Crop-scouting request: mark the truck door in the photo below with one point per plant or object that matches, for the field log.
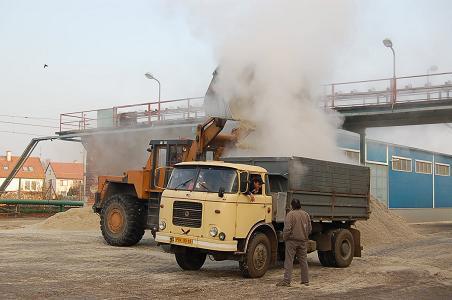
(251, 212)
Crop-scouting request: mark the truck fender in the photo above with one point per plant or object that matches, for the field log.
(270, 232)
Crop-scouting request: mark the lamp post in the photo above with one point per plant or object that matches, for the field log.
(388, 43)
(150, 76)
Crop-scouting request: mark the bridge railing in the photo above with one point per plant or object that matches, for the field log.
(133, 114)
(387, 91)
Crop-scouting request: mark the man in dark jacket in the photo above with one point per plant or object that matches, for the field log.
(297, 228)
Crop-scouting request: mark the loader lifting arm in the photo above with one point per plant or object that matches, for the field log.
(205, 134)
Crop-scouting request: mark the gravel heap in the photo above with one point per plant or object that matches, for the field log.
(384, 227)
(74, 219)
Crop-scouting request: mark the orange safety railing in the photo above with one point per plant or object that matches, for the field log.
(426, 87)
(133, 114)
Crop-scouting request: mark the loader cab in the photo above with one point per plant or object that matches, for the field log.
(164, 154)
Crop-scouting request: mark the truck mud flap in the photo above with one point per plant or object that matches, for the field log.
(357, 239)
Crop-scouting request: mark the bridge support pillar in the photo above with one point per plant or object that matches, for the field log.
(362, 146)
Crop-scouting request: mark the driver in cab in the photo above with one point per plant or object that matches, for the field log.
(257, 188)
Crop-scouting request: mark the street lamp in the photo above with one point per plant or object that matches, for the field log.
(150, 76)
(388, 43)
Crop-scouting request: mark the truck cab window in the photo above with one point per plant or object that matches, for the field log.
(256, 184)
(278, 183)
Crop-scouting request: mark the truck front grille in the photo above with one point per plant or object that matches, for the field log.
(188, 214)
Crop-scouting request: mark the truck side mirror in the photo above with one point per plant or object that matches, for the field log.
(244, 182)
(161, 177)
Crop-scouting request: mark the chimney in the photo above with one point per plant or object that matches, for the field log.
(8, 155)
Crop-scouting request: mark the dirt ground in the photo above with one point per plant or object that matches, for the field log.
(37, 264)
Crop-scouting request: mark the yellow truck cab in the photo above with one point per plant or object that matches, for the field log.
(207, 208)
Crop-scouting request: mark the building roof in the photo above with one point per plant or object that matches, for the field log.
(65, 170)
(240, 167)
(32, 168)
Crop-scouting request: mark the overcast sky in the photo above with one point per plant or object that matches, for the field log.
(98, 51)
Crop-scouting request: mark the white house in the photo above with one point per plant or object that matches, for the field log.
(61, 177)
(30, 177)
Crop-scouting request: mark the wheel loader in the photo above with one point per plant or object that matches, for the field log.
(130, 204)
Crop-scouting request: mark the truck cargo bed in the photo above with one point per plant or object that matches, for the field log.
(327, 190)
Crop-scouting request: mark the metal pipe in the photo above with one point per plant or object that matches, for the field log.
(42, 202)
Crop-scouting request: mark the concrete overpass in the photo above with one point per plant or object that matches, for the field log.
(409, 100)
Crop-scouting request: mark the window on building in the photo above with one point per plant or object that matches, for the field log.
(34, 186)
(30, 169)
(353, 155)
(64, 182)
(24, 168)
(423, 167)
(401, 164)
(5, 168)
(27, 185)
(442, 169)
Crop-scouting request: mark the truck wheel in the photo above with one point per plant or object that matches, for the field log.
(343, 248)
(326, 258)
(190, 259)
(257, 258)
(122, 220)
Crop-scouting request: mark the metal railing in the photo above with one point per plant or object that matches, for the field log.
(133, 114)
(426, 87)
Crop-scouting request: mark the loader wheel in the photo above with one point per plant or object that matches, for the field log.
(257, 258)
(190, 259)
(122, 220)
(343, 248)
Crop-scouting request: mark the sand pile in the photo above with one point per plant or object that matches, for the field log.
(384, 227)
(74, 219)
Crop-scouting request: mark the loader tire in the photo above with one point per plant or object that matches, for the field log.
(190, 259)
(123, 220)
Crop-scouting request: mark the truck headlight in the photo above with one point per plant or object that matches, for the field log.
(222, 236)
(213, 231)
(162, 225)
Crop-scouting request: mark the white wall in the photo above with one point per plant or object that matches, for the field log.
(63, 185)
(33, 185)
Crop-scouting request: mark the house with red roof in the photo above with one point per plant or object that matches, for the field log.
(63, 177)
(30, 177)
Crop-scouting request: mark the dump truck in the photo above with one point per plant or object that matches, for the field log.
(206, 210)
(130, 204)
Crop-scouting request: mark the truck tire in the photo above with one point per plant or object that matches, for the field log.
(190, 259)
(343, 248)
(257, 258)
(326, 258)
(123, 220)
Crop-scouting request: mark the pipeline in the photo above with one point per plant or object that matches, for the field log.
(60, 203)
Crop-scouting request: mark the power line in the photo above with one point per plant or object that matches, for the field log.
(31, 118)
(28, 124)
(18, 132)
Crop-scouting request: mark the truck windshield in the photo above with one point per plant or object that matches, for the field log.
(203, 179)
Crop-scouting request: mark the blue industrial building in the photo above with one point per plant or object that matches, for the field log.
(403, 177)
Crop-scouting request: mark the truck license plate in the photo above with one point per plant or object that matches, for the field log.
(183, 240)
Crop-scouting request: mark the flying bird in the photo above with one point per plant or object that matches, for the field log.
(45, 66)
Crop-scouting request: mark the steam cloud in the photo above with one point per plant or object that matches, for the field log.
(273, 57)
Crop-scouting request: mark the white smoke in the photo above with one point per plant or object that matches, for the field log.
(273, 57)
